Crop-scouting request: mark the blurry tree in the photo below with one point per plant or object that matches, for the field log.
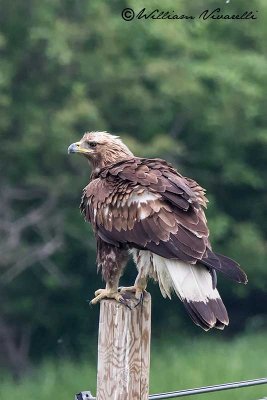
(193, 92)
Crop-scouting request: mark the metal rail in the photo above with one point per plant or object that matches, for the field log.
(190, 392)
(208, 389)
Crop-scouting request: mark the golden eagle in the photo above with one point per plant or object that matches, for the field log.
(144, 207)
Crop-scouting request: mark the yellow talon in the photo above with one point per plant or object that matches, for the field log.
(101, 294)
(139, 291)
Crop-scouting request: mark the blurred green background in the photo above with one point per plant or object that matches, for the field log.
(192, 92)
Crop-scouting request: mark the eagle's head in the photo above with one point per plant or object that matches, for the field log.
(101, 148)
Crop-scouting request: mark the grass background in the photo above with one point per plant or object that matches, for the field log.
(176, 364)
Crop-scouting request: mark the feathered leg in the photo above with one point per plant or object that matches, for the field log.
(112, 260)
(140, 283)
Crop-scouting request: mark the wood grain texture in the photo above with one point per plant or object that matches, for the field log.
(124, 351)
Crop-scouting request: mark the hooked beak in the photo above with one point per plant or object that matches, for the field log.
(75, 148)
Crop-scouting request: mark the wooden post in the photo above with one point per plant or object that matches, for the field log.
(124, 350)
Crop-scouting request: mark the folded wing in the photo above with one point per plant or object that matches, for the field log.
(146, 204)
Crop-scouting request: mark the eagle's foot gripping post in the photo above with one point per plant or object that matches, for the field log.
(137, 290)
(101, 294)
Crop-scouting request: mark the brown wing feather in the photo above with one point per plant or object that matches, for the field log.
(147, 204)
(199, 192)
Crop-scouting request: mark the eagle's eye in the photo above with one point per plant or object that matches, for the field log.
(92, 144)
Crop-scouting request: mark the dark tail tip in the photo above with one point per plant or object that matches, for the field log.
(207, 315)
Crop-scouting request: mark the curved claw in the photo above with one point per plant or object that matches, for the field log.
(124, 302)
(138, 291)
(141, 299)
(101, 294)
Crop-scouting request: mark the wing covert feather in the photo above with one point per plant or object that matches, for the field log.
(147, 204)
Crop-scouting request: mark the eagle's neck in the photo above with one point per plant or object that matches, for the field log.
(111, 156)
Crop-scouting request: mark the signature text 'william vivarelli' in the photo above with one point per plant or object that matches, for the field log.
(128, 14)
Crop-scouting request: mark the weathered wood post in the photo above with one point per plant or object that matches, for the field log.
(124, 350)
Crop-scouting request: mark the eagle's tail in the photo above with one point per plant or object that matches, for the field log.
(193, 285)
(225, 265)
